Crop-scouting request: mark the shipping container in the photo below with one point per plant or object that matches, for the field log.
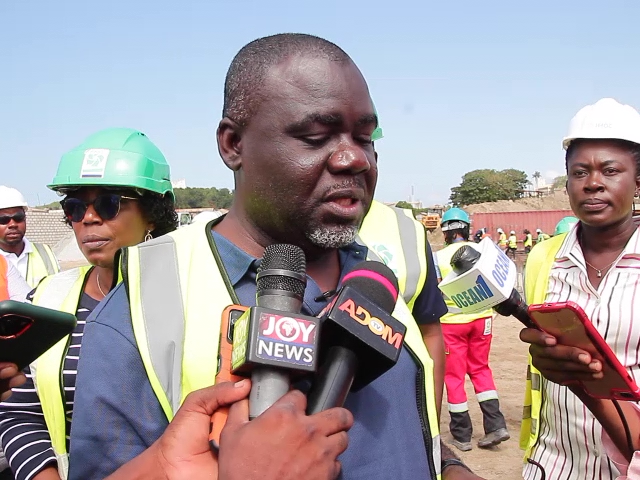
(545, 220)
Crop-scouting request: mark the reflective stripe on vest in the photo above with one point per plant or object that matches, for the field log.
(60, 292)
(41, 263)
(402, 246)
(455, 315)
(536, 281)
(185, 358)
(4, 281)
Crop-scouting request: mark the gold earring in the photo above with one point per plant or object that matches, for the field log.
(148, 236)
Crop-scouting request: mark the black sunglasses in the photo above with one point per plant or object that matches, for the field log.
(16, 217)
(106, 205)
(12, 326)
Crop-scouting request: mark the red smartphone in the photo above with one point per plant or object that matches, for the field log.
(570, 325)
(219, 418)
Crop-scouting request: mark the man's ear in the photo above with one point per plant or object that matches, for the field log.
(229, 136)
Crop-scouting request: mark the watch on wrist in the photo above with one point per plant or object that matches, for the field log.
(449, 462)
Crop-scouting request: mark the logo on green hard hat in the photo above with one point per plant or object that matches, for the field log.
(94, 162)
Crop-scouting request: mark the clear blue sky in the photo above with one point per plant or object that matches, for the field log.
(459, 85)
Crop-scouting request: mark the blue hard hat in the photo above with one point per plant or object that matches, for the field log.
(454, 218)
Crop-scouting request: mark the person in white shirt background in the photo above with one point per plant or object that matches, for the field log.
(34, 261)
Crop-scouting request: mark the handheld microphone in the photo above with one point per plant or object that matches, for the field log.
(273, 340)
(484, 278)
(357, 330)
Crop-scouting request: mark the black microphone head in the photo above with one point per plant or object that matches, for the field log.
(377, 280)
(283, 268)
(464, 258)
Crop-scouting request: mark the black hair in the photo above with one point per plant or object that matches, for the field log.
(632, 148)
(450, 235)
(157, 209)
(246, 74)
(526, 231)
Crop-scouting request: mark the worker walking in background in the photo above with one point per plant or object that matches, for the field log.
(502, 239)
(541, 236)
(467, 339)
(528, 241)
(512, 245)
(34, 261)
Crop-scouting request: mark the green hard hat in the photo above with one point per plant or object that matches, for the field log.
(565, 225)
(377, 133)
(115, 157)
(455, 218)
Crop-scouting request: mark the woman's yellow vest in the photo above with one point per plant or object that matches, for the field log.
(178, 289)
(41, 263)
(536, 281)
(60, 292)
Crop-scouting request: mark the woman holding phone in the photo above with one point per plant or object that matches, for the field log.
(596, 265)
(117, 193)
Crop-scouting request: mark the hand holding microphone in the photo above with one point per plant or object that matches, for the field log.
(484, 278)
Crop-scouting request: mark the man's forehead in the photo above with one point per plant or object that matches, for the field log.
(314, 75)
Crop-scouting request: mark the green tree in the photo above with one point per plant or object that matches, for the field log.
(403, 204)
(203, 197)
(489, 185)
(560, 182)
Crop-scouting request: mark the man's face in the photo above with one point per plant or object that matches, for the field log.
(12, 233)
(308, 169)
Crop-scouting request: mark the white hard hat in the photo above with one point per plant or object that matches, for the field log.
(10, 197)
(605, 119)
(500, 230)
(538, 230)
(512, 232)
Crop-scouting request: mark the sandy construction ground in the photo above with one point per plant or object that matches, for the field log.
(509, 363)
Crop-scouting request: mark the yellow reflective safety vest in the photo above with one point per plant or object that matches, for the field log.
(542, 237)
(502, 240)
(536, 282)
(455, 315)
(41, 262)
(513, 241)
(60, 292)
(528, 241)
(173, 277)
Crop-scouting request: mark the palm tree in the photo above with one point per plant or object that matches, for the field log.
(536, 176)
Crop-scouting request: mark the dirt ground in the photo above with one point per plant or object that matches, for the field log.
(509, 363)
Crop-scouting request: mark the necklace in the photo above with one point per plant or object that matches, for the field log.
(599, 270)
(104, 294)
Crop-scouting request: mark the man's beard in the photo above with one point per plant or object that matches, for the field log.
(17, 241)
(336, 236)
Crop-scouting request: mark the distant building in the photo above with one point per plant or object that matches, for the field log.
(179, 183)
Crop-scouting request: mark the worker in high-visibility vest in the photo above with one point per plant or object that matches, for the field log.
(528, 241)
(541, 236)
(512, 244)
(467, 338)
(34, 261)
(502, 239)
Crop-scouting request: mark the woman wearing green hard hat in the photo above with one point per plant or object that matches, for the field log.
(118, 193)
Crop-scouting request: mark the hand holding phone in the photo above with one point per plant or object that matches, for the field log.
(219, 418)
(27, 331)
(569, 324)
